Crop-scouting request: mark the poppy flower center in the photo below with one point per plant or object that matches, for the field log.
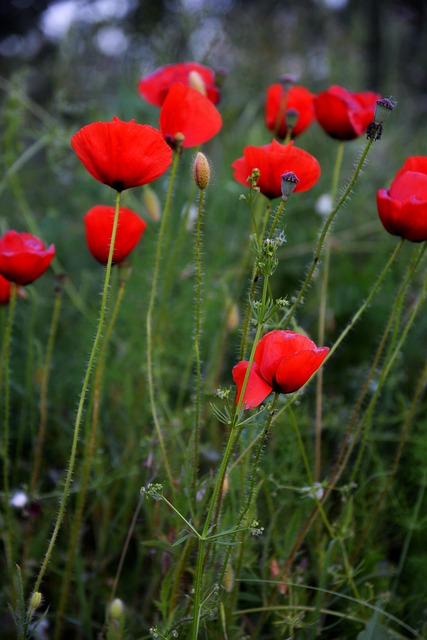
(118, 185)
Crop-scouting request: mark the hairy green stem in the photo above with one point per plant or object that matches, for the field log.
(215, 501)
(81, 404)
(326, 228)
(149, 320)
(43, 390)
(6, 425)
(322, 320)
(90, 441)
(197, 332)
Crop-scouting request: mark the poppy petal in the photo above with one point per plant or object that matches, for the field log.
(257, 389)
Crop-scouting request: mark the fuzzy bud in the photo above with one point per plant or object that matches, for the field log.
(201, 171)
(117, 609)
(35, 600)
(289, 182)
(225, 485)
(292, 116)
(287, 80)
(229, 578)
(233, 317)
(196, 81)
(152, 203)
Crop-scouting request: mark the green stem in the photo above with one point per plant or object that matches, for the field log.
(6, 364)
(338, 468)
(149, 320)
(90, 441)
(408, 422)
(322, 320)
(197, 331)
(43, 390)
(215, 502)
(275, 222)
(248, 504)
(81, 404)
(325, 230)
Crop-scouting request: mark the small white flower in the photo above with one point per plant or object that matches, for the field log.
(323, 204)
(316, 491)
(18, 500)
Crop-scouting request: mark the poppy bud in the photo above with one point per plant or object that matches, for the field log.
(195, 80)
(35, 600)
(229, 578)
(287, 80)
(292, 116)
(117, 609)
(201, 170)
(289, 182)
(233, 317)
(152, 203)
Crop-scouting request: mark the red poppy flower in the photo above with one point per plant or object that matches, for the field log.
(284, 361)
(122, 154)
(345, 114)
(5, 290)
(186, 111)
(23, 257)
(99, 227)
(403, 207)
(155, 86)
(273, 160)
(279, 102)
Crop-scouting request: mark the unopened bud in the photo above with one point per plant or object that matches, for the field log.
(175, 142)
(201, 170)
(151, 203)
(117, 609)
(196, 81)
(287, 80)
(229, 578)
(178, 141)
(292, 116)
(383, 109)
(289, 182)
(225, 485)
(233, 318)
(35, 600)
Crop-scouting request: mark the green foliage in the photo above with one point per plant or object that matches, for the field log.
(287, 552)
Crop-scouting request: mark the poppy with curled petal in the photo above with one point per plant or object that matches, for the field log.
(280, 101)
(5, 290)
(23, 257)
(284, 361)
(344, 114)
(122, 154)
(155, 86)
(403, 207)
(273, 160)
(99, 227)
(187, 113)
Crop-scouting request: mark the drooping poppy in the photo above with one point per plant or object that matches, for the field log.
(273, 160)
(403, 207)
(155, 86)
(5, 290)
(284, 361)
(280, 101)
(23, 257)
(344, 114)
(99, 227)
(188, 113)
(122, 154)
